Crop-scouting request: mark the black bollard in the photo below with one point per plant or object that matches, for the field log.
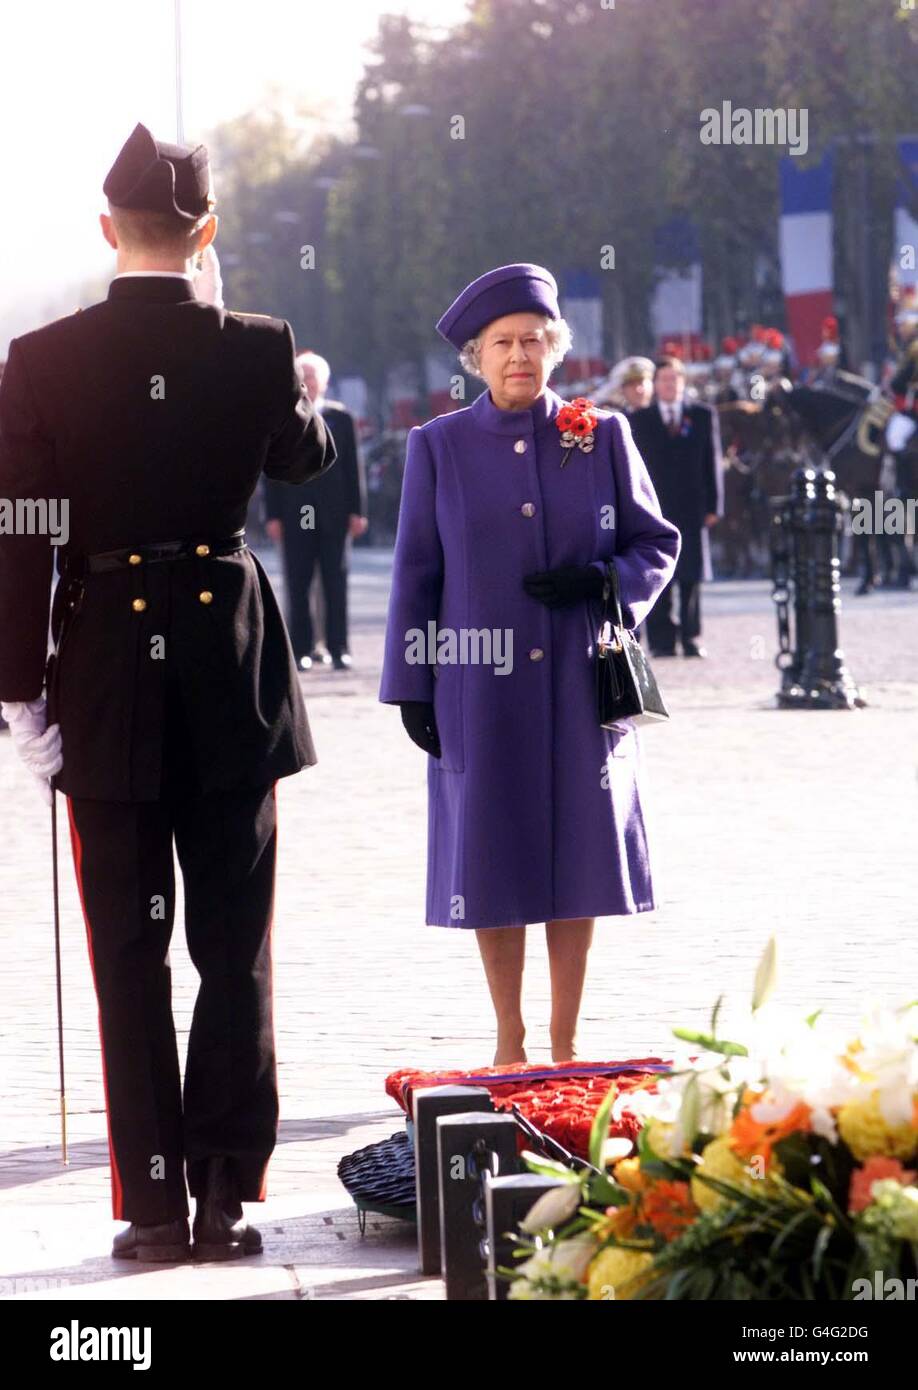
(428, 1105)
(805, 530)
(468, 1146)
(507, 1201)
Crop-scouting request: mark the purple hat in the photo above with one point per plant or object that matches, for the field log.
(156, 177)
(510, 289)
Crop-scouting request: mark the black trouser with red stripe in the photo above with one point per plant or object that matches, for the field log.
(226, 844)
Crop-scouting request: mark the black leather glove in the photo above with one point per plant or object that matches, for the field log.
(418, 719)
(555, 588)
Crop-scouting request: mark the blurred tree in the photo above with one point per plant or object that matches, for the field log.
(552, 130)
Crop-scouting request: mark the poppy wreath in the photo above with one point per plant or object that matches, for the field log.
(560, 1099)
(577, 425)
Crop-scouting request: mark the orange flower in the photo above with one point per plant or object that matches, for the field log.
(669, 1208)
(755, 1138)
(566, 417)
(874, 1169)
(618, 1221)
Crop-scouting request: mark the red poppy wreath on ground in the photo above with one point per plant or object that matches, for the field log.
(560, 1099)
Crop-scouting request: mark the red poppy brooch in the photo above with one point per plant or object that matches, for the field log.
(577, 424)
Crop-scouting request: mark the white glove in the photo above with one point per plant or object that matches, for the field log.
(38, 746)
(899, 430)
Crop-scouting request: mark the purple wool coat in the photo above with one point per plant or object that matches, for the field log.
(534, 810)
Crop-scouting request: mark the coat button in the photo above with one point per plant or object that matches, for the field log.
(536, 654)
(139, 605)
(134, 559)
(520, 446)
(202, 550)
(205, 596)
(528, 509)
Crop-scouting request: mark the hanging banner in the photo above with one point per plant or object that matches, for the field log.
(905, 230)
(675, 307)
(805, 239)
(581, 306)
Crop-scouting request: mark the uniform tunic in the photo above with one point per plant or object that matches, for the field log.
(153, 415)
(534, 810)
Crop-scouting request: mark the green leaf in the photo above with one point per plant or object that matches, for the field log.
(599, 1130)
(711, 1044)
(820, 1245)
(765, 975)
(605, 1192)
(549, 1168)
(787, 1230)
(690, 1109)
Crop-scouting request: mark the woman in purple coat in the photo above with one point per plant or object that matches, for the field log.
(534, 810)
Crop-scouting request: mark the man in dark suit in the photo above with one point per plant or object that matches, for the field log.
(336, 512)
(173, 699)
(680, 444)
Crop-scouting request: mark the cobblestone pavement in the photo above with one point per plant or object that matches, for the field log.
(801, 824)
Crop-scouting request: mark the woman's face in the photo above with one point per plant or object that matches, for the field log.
(638, 393)
(515, 360)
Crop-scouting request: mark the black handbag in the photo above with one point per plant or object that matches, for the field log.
(625, 684)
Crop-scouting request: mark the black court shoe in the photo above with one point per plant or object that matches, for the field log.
(158, 1244)
(220, 1230)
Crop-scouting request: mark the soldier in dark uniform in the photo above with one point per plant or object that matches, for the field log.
(680, 444)
(173, 684)
(902, 427)
(722, 389)
(337, 512)
(903, 385)
(629, 386)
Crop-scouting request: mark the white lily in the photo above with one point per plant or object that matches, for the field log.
(552, 1209)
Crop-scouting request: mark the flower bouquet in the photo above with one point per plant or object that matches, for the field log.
(780, 1167)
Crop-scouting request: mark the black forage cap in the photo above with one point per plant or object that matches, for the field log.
(151, 175)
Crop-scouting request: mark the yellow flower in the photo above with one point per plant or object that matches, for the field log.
(659, 1137)
(719, 1161)
(618, 1273)
(867, 1134)
(627, 1173)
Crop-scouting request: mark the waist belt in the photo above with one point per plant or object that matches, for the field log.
(129, 557)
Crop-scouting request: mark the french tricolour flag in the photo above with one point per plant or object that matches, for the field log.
(806, 251)
(906, 227)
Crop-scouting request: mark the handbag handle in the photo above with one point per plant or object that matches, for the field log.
(611, 590)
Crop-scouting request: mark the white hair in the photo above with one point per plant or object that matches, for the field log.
(557, 335)
(318, 364)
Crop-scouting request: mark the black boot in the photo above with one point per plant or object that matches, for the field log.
(155, 1243)
(220, 1230)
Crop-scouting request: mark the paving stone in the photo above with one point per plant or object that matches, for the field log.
(766, 821)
